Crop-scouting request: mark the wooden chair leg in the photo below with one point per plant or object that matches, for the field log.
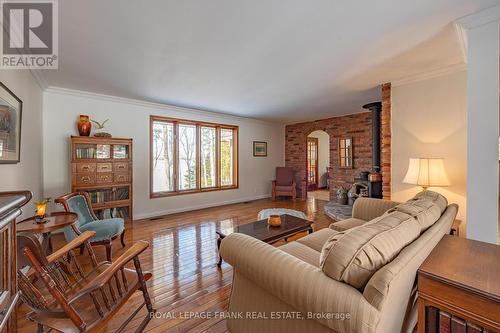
(122, 238)
(39, 328)
(108, 251)
(144, 289)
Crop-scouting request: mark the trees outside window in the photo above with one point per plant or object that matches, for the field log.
(163, 157)
(226, 157)
(189, 156)
(208, 157)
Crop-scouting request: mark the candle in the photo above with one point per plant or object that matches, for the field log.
(41, 209)
(41, 206)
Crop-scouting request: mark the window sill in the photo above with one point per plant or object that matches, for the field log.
(172, 194)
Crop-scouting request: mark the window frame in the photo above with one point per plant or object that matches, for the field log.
(199, 125)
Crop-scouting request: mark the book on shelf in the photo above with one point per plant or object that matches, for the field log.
(444, 322)
(120, 151)
(472, 328)
(121, 212)
(121, 193)
(439, 321)
(87, 152)
(458, 325)
(107, 195)
(103, 151)
(432, 319)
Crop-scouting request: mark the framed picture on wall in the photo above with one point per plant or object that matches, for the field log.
(259, 149)
(10, 126)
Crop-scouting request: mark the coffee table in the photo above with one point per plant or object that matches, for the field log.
(290, 225)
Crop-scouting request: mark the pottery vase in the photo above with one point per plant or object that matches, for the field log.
(84, 125)
(342, 196)
(274, 220)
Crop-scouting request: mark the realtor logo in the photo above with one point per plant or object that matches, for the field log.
(29, 34)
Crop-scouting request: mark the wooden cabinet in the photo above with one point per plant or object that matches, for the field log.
(459, 287)
(10, 209)
(83, 168)
(103, 168)
(120, 167)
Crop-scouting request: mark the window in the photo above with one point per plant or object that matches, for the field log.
(189, 156)
(208, 154)
(226, 156)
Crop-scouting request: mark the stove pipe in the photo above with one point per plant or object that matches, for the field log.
(375, 108)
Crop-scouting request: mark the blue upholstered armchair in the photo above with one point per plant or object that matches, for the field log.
(106, 230)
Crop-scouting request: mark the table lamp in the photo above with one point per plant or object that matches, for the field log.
(41, 209)
(426, 172)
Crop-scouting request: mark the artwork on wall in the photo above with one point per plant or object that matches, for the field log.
(259, 149)
(10, 126)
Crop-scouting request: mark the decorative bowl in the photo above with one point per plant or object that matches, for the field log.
(274, 220)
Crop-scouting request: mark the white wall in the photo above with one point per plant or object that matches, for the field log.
(323, 154)
(429, 119)
(130, 119)
(26, 175)
(483, 128)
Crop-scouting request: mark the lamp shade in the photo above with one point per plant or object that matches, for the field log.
(426, 172)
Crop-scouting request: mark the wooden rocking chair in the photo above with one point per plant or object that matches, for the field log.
(63, 297)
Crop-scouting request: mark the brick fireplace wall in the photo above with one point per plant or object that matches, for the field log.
(385, 137)
(356, 126)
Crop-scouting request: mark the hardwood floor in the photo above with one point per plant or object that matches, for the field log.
(182, 257)
(322, 194)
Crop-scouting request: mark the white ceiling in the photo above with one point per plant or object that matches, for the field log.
(285, 60)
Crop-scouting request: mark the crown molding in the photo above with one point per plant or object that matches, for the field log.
(473, 21)
(480, 18)
(152, 105)
(455, 68)
(345, 114)
(461, 33)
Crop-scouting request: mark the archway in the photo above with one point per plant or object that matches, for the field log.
(318, 165)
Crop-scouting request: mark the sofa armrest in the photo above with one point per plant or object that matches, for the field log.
(299, 284)
(369, 208)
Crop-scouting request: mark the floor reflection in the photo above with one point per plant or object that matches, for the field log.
(183, 259)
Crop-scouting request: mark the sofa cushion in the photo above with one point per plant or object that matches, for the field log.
(435, 197)
(347, 224)
(369, 208)
(425, 211)
(302, 252)
(353, 256)
(317, 239)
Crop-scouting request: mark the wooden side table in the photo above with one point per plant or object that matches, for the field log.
(459, 287)
(455, 228)
(55, 221)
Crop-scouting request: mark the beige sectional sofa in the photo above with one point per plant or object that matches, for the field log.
(358, 280)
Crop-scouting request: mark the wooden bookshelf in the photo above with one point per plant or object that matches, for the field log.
(102, 167)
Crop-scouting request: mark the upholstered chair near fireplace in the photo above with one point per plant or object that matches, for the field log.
(284, 185)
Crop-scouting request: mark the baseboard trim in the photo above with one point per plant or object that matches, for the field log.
(145, 216)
